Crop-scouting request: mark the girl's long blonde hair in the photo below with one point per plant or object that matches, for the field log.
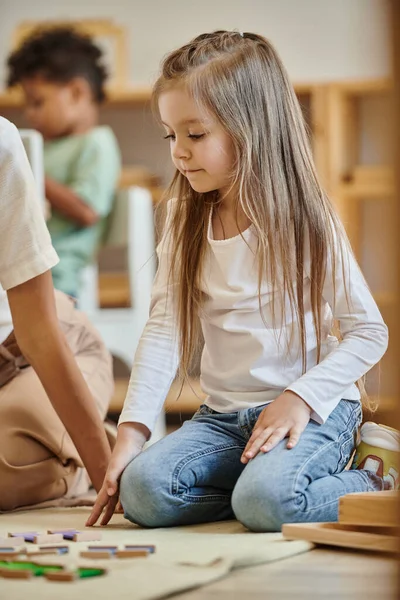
(240, 79)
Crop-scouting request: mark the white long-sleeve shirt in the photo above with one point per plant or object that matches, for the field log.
(246, 361)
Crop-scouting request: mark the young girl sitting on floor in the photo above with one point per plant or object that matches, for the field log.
(255, 258)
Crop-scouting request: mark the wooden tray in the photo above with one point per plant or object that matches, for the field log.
(370, 508)
(381, 539)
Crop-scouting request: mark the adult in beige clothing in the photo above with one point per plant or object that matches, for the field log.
(38, 460)
(51, 419)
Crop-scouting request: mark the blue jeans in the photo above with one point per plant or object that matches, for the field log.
(194, 475)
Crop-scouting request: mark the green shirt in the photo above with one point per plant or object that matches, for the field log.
(88, 164)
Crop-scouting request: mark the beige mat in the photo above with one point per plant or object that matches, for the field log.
(186, 557)
(87, 499)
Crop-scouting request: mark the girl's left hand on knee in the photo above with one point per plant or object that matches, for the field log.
(287, 416)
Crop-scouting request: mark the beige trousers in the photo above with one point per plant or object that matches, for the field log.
(38, 460)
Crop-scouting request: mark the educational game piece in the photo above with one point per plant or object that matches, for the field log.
(131, 553)
(10, 552)
(8, 541)
(105, 548)
(74, 535)
(37, 538)
(23, 569)
(97, 554)
(15, 573)
(26, 570)
(80, 573)
(150, 548)
(57, 549)
(61, 576)
(14, 568)
(107, 552)
(46, 552)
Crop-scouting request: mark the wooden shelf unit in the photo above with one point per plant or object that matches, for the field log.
(357, 191)
(129, 97)
(354, 187)
(134, 95)
(188, 402)
(349, 183)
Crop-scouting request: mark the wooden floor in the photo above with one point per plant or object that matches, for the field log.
(321, 574)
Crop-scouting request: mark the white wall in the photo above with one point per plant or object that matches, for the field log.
(317, 39)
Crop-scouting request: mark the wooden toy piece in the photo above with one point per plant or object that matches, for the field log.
(61, 576)
(96, 554)
(36, 553)
(37, 538)
(74, 535)
(9, 541)
(16, 573)
(47, 539)
(46, 552)
(106, 548)
(10, 555)
(81, 573)
(84, 536)
(27, 537)
(150, 548)
(378, 509)
(11, 550)
(36, 569)
(131, 553)
(85, 572)
(342, 534)
(57, 549)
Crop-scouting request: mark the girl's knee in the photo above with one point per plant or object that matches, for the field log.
(143, 493)
(259, 506)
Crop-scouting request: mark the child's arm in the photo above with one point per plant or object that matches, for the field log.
(69, 204)
(88, 194)
(154, 368)
(316, 393)
(364, 338)
(42, 343)
(157, 355)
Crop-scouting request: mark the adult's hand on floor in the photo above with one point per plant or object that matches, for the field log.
(130, 440)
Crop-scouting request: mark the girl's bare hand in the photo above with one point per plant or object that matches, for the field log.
(287, 416)
(130, 440)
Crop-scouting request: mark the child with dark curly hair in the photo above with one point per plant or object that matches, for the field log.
(62, 76)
